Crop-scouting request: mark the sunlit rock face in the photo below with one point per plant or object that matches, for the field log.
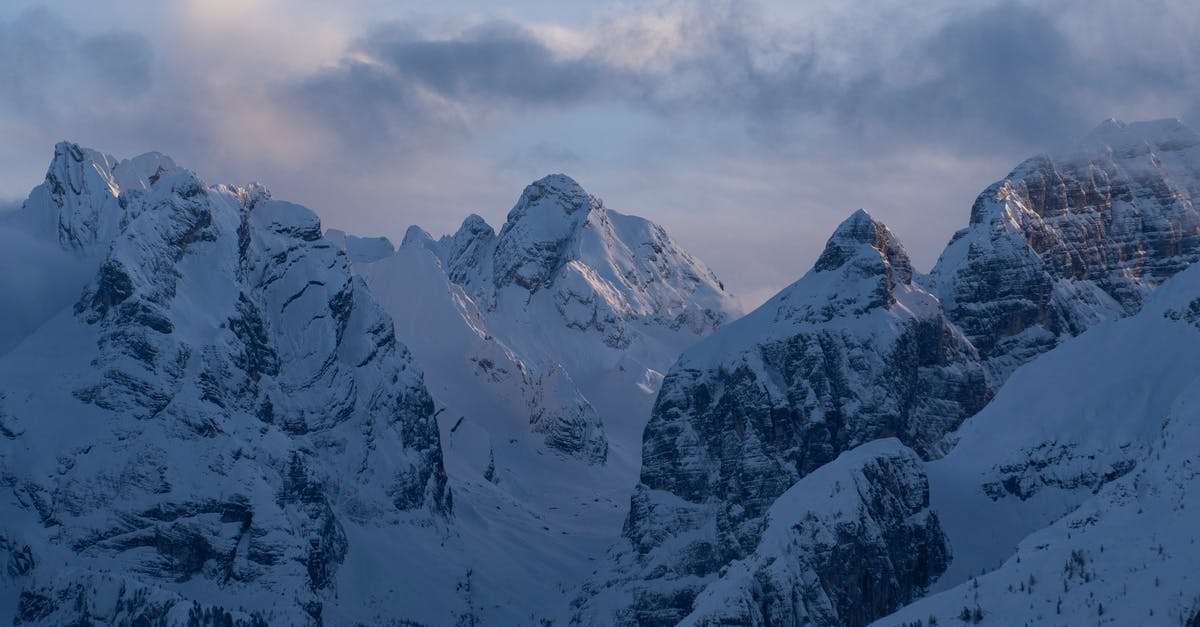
(1065, 241)
(571, 301)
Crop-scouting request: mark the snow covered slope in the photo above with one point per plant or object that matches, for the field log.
(543, 347)
(574, 312)
(1076, 489)
(222, 424)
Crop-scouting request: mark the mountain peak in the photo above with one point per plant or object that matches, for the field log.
(862, 234)
(473, 226)
(1162, 134)
(77, 203)
(70, 152)
(73, 167)
(367, 249)
(416, 235)
(860, 228)
(558, 182)
(138, 172)
(553, 192)
(533, 243)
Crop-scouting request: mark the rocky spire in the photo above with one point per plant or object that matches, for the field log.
(540, 228)
(855, 236)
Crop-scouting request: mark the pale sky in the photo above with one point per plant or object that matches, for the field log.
(748, 129)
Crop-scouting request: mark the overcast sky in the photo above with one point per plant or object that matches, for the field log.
(748, 129)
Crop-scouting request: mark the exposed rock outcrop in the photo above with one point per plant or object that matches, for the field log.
(229, 407)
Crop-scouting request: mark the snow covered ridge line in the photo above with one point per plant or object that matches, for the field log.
(543, 342)
(237, 430)
(558, 233)
(832, 362)
(226, 423)
(221, 422)
(568, 292)
(861, 348)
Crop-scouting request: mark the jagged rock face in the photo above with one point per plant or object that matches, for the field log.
(229, 402)
(566, 419)
(845, 546)
(1066, 241)
(602, 270)
(80, 204)
(468, 253)
(530, 251)
(858, 353)
(763, 439)
(567, 297)
(1060, 245)
(853, 352)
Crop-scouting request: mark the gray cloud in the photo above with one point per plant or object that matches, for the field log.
(496, 60)
(45, 64)
(1004, 71)
(738, 125)
(365, 103)
(121, 61)
(540, 158)
(397, 85)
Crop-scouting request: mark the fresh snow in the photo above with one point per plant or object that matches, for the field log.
(222, 408)
(1081, 477)
(544, 347)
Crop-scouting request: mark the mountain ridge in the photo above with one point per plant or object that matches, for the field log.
(1046, 256)
(220, 330)
(243, 417)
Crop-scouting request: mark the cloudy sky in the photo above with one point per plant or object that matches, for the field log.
(748, 129)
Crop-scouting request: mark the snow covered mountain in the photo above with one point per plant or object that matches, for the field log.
(222, 423)
(852, 352)
(1075, 489)
(224, 416)
(570, 304)
(1065, 241)
(861, 349)
(845, 544)
(223, 426)
(1071, 490)
(543, 346)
